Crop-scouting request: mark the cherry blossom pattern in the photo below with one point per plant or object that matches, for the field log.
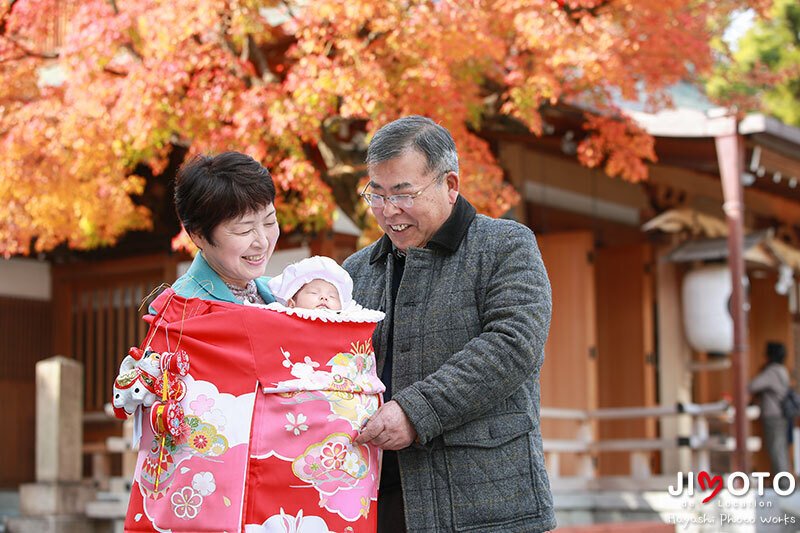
(338, 470)
(332, 464)
(313, 468)
(201, 404)
(186, 503)
(334, 455)
(287, 358)
(313, 364)
(296, 424)
(204, 483)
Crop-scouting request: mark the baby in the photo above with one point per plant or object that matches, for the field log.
(314, 283)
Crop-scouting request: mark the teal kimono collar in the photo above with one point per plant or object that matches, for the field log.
(202, 281)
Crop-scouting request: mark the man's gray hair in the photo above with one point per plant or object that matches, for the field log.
(418, 133)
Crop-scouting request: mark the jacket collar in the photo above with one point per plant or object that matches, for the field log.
(211, 284)
(448, 238)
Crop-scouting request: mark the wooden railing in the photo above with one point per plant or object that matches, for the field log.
(700, 442)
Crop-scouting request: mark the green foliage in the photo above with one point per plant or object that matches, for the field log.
(763, 73)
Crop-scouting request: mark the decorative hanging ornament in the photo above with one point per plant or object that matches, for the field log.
(175, 363)
(168, 418)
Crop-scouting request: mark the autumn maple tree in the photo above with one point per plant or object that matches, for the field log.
(95, 90)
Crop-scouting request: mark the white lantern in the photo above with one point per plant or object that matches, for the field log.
(706, 314)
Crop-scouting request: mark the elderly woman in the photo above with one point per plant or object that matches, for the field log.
(251, 414)
(225, 203)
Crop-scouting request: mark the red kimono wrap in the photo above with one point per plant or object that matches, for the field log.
(273, 402)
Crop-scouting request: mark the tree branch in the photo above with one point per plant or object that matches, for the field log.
(578, 12)
(245, 49)
(260, 61)
(10, 59)
(289, 9)
(135, 53)
(250, 52)
(6, 15)
(114, 72)
(27, 52)
(129, 45)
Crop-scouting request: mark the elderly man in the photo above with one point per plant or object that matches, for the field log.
(468, 307)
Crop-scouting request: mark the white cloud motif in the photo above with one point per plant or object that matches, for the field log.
(216, 418)
(237, 429)
(303, 371)
(204, 483)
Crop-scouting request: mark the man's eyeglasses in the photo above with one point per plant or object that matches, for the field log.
(403, 201)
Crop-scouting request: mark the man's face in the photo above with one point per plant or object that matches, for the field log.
(407, 174)
(317, 294)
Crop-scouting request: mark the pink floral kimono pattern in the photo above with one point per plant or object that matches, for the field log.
(273, 402)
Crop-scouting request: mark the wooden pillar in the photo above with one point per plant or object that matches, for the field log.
(729, 157)
(674, 357)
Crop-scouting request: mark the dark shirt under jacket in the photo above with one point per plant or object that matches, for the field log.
(447, 239)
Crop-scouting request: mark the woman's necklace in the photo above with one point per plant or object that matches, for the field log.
(249, 293)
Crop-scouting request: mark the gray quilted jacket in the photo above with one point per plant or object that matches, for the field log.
(469, 334)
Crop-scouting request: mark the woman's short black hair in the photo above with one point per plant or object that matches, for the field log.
(212, 189)
(776, 352)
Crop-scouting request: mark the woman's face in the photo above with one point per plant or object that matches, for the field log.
(242, 246)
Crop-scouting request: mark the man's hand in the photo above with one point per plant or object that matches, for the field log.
(389, 428)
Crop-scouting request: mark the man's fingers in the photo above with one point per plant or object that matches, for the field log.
(370, 431)
(362, 437)
(388, 428)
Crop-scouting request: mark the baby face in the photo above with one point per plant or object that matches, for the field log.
(316, 294)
